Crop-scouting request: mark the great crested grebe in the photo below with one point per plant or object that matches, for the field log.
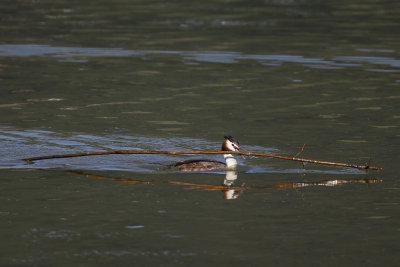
(230, 144)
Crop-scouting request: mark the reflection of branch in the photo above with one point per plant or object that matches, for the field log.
(209, 187)
(327, 183)
(206, 187)
(295, 158)
(117, 179)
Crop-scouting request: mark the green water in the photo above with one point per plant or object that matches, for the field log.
(98, 75)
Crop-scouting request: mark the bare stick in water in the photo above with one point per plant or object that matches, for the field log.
(295, 158)
(301, 151)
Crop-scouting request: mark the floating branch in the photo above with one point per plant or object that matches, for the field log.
(295, 158)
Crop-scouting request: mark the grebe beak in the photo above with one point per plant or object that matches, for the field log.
(240, 150)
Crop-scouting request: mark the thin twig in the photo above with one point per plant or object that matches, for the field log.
(301, 151)
(32, 159)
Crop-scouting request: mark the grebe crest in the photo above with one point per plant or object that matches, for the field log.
(229, 144)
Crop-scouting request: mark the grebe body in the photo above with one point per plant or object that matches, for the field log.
(197, 165)
(230, 144)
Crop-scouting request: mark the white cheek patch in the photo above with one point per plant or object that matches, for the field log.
(232, 146)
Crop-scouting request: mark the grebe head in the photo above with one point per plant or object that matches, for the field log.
(230, 144)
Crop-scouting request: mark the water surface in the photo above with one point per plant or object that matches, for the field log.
(147, 75)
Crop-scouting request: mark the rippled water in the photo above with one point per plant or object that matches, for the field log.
(191, 57)
(18, 145)
(147, 75)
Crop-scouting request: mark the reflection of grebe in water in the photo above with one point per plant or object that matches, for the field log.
(230, 144)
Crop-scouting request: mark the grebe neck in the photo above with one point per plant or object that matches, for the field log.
(231, 162)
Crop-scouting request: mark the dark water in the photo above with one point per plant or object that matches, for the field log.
(148, 75)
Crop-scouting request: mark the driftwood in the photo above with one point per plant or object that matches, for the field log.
(295, 158)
